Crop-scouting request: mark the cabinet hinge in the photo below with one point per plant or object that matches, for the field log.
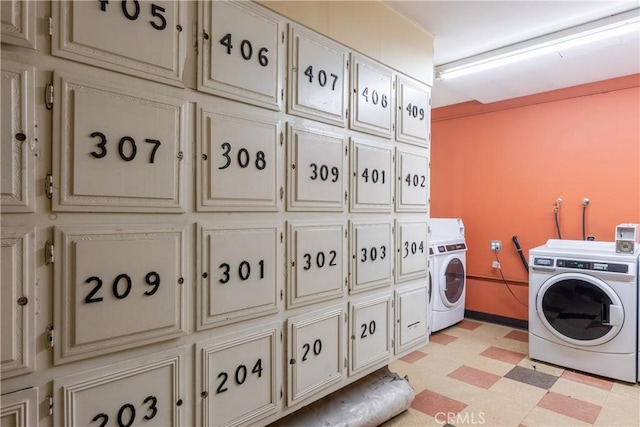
(281, 336)
(281, 193)
(49, 254)
(50, 25)
(281, 138)
(48, 185)
(393, 127)
(345, 197)
(345, 363)
(283, 37)
(281, 393)
(281, 237)
(393, 304)
(346, 114)
(393, 343)
(50, 337)
(281, 94)
(48, 96)
(346, 318)
(50, 403)
(347, 65)
(281, 295)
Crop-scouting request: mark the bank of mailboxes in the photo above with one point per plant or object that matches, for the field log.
(321, 281)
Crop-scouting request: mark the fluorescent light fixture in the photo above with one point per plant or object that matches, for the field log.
(611, 26)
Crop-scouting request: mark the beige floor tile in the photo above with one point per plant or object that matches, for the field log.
(626, 389)
(496, 411)
(540, 417)
(493, 366)
(411, 418)
(519, 392)
(580, 391)
(541, 366)
(619, 411)
(513, 345)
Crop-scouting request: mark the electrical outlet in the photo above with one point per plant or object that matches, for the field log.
(496, 245)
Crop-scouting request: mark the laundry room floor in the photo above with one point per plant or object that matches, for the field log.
(476, 373)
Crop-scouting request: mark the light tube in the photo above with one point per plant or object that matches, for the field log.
(584, 34)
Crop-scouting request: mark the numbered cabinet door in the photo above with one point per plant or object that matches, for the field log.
(411, 317)
(239, 273)
(142, 38)
(315, 343)
(242, 53)
(20, 408)
(317, 77)
(371, 176)
(18, 134)
(371, 252)
(317, 262)
(240, 163)
(371, 332)
(18, 303)
(117, 150)
(147, 391)
(18, 24)
(316, 170)
(372, 97)
(412, 186)
(239, 380)
(413, 118)
(118, 287)
(412, 249)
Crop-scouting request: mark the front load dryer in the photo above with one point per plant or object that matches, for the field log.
(583, 299)
(449, 271)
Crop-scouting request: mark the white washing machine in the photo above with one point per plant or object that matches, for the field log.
(583, 307)
(449, 271)
(430, 293)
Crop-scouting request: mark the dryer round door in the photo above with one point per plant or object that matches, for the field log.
(580, 309)
(453, 281)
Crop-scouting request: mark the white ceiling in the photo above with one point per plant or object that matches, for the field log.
(465, 28)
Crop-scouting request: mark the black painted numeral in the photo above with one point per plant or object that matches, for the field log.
(240, 376)
(131, 11)
(127, 413)
(413, 248)
(243, 158)
(322, 172)
(317, 349)
(372, 254)
(371, 328)
(414, 111)
(375, 98)
(322, 77)
(127, 148)
(246, 50)
(121, 286)
(244, 271)
(375, 176)
(416, 180)
(320, 260)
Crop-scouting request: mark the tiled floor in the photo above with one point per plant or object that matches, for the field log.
(479, 374)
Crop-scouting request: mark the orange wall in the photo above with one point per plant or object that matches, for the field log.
(500, 167)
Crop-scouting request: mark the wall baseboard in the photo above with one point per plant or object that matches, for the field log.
(494, 318)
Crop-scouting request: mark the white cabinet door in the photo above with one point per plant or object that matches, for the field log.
(239, 378)
(315, 352)
(412, 188)
(413, 119)
(18, 23)
(412, 249)
(150, 390)
(371, 176)
(142, 38)
(239, 273)
(371, 332)
(118, 287)
(371, 253)
(317, 77)
(316, 170)
(20, 408)
(411, 317)
(18, 137)
(18, 302)
(242, 53)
